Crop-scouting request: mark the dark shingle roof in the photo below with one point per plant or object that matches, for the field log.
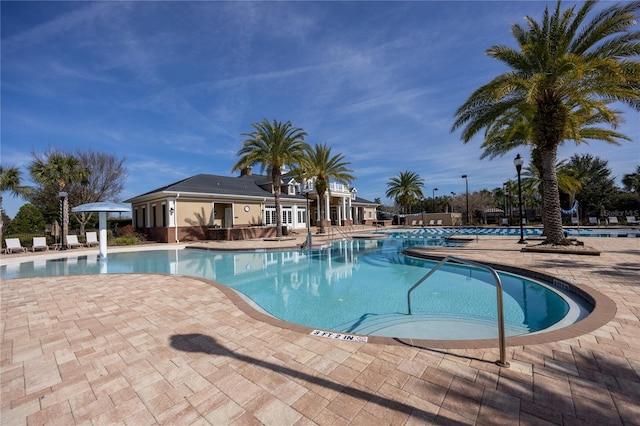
(222, 185)
(247, 185)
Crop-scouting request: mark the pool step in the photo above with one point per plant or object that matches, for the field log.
(428, 326)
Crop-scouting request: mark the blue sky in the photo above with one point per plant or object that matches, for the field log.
(171, 86)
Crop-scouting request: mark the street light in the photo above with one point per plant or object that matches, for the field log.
(467, 188)
(434, 198)
(505, 187)
(518, 162)
(63, 196)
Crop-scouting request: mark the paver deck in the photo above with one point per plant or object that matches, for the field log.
(141, 349)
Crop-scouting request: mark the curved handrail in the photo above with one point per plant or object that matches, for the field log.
(501, 337)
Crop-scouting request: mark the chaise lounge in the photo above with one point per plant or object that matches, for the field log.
(72, 242)
(92, 239)
(39, 243)
(13, 244)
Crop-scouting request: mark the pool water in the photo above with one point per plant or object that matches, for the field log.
(354, 286)
(510, 231)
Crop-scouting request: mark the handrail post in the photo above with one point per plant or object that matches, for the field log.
(502, 362)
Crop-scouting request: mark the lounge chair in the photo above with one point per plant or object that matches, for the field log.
(613, 220)
(505, 221)
(72, 241)
(439, 222)
(420, 223)
(631, 220)
(574, 221)
(39, 243)
(92, 239)
(593, 221)
(414, 222)
(13, 244)
(432, 222)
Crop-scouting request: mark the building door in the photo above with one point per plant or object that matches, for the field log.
(228, 217)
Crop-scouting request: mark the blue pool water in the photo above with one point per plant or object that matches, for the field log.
(513, 231)
(357, 286)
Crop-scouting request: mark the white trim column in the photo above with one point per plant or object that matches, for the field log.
(350, 209)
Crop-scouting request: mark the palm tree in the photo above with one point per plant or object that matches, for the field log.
(56, 171)
(10, 181)
(562, 66)
(320, 166)
(274, 146)
(405, 188)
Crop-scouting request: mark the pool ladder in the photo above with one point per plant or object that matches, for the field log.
(502, 362)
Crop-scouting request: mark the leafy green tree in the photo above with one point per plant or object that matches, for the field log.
(274, 145)
(563, 64)
(10, 180)
(405, 189)
(29, 219)
(631, 182)
(597, 186)
(55, 171)
(321, 167)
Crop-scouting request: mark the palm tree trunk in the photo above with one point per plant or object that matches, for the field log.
(552, 216)
(276, 177)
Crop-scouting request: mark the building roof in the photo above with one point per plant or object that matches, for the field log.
(245, 185)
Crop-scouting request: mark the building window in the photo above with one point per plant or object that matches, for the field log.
(302, 215)
(164, 215)
(269, 215)
(154, 217)
(287, 216)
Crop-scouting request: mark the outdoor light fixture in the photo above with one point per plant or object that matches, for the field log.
(467, 189)
(518, 162)
(171, 211)
(434, 198)
(63, 196)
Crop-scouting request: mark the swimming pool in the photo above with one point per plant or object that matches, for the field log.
(513, 231)
(354, 286)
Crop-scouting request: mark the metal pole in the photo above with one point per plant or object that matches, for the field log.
(63, 197)
(467, 189)
(519, 168)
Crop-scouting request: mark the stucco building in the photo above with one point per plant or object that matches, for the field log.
(212, 207)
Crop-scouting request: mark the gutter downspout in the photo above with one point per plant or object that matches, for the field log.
(175, 218)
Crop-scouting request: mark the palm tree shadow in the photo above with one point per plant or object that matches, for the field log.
(206, 344)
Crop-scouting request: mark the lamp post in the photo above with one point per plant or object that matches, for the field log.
(466, 180)
(505, 187)
(518, 162)
(433, 195)
(63, 197)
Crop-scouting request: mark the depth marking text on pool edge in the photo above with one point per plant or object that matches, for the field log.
(330, 335)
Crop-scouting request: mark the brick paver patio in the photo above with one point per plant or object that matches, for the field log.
(141, 349)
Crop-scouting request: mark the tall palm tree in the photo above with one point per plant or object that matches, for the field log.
(405, 188)
(10, 178)
(563, 65)
(56, 171)
(322, 167)
(274, 145)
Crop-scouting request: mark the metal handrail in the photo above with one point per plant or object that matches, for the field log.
(501, 337)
